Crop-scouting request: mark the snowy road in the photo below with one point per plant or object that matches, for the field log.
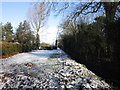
(46, 69)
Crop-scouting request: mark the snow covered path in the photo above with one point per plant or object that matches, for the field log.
(46, 69)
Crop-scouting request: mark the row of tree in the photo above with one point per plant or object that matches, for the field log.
(37, 17)
(23, 35)
(89, 40)
(94, 43)
(87, 44)
(111, 13)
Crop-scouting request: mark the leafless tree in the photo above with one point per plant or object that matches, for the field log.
(108, 8)
(38, 16)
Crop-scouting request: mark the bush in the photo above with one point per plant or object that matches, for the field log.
(10, 48)
(26, 47)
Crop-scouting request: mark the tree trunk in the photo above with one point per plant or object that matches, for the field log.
(110, 10)
(37, 40)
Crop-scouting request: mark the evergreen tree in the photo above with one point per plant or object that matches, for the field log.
(24, 35)
(7, 32)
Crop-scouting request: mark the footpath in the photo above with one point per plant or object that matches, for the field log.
(47, 69)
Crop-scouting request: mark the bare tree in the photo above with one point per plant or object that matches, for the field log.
(38, 16)
(111, 9)
(108, 8)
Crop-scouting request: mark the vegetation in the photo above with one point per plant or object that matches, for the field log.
(10, 48)
(87, 43)
(25, 36)
(45, 44)
(7, 32)
(21, 41)
(38, 16)
(93, 42)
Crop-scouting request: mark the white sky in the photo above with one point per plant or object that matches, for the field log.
(49, 35)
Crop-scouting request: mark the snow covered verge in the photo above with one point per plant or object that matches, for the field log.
(47, 69)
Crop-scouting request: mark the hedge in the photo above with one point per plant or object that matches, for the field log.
(7, 48)
(10, 48)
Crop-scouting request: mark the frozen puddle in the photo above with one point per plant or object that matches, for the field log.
(47, 69)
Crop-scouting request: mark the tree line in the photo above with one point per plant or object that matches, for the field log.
(89, 41)
(37, 19)
(94, 43)
(23, 35)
